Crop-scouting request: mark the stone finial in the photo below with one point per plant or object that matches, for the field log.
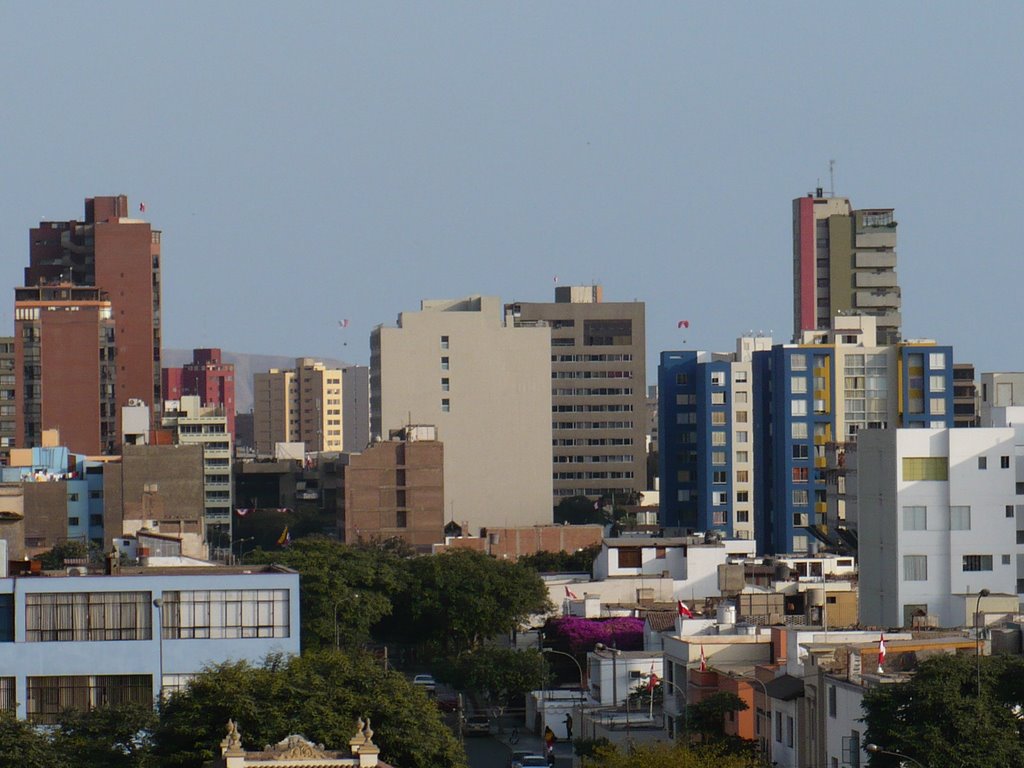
(358, 738)
(233, 740)
(368, 733)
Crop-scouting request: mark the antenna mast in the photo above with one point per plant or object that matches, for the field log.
(831, 178)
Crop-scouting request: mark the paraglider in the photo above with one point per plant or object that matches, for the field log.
(343, 324)
(683, 324)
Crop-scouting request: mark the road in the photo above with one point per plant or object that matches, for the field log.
(490, 752)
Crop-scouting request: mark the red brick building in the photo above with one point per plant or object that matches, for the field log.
(207, 377)
(119, 256)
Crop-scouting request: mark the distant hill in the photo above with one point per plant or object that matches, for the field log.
(245, 367)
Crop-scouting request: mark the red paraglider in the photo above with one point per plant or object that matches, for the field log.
(683, 324)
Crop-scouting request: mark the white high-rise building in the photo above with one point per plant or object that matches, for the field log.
(939, 520)
(487, 387)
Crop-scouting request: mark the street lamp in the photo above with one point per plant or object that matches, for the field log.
(877, 750)
(240, 542)
(574, 661)
(158, 604)
(977, 635)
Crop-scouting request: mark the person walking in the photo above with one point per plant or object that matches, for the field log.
(568, 726)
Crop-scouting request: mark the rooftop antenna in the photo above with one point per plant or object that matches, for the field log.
(831, 178)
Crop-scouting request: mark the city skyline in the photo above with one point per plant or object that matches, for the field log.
(418, 153)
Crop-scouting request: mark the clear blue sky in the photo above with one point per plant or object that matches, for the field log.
(309, 162)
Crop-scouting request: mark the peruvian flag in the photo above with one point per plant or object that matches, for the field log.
(652, 680)
(683, 610)
(703, 659)
(881, 652)
(570, 594)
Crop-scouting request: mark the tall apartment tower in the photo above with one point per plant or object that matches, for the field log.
(355, 408)
(207, 377)
(844, 263)
(64, 349)
(120, 256)
(486, 385)
(8, 401)
(302, 405)
(598, 390)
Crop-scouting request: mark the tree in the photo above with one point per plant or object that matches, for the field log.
(503, 674)
(22, 746)
(562, 562)
(579, 510)
(320, 695)
(662, 755)
(53, 560)
(938, 718)
(707, 717)
(344, 590)
(453, 601)
(117, 736)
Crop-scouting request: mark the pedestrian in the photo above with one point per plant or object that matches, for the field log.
(549, 737)
(551, 757)
(568, 726)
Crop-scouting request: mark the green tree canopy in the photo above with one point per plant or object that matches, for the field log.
(320, 695)
(117, 736)
(22, 746)
(503, 674)
(343, 588)
(937, 718)
(452, 602)
(562, 562)
(662, 755)
(707, 717)
(53, 560)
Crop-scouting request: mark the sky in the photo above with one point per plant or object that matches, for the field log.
(314, 162)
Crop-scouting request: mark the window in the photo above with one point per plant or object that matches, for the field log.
(982, 462)
(1009, 510)
(800, 474)
(73, 522)
(719, 517)
(718, 437)
(682, 379)
(742, 496)
(937, 405)
(445, 365)
(936, 383)
(446, 405)
(778, 727)
(444, 342)
(1006, 559)
(742, 437)
(630, 557)
(798, 430)
(798, 385)
(50, 696)
(977, 563)
(659, 553)
(717, 378)
(741, 417)
(718, 458)
(798, 407)
(798, 362)
(742, 476)
(72, 497)
(741, 377)
(789, 731)
(1004, 462)
(800, 498)
(937, 360)
(800, 451)
(831, 701)
(740, 397)
(225, 613)
(718, 418)
(742, 457)
(445, 385)
(959, 518)
(742, 516)
(719, 478)
(718, 398)
(77, 616)
(401, 518)
(915, 518)
(925, 468)
(915, 568)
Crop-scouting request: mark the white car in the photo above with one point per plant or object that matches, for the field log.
(426, 682)
(531, 761)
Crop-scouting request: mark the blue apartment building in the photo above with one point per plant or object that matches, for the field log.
(85, 641)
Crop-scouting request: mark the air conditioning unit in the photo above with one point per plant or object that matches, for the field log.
(134, 402)
(76, 570)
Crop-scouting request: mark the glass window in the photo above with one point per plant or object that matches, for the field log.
(915, 518)
(78, 616)
(937, 383)
(718, 458)
(937, 360)
(444, 342)
(937, 405)
(915, 568)
(798, 362)
(798, 385)
(445, 365)
(982, 462)
(225, 613)
(718, 437)
(741, 377)
(959, 518)
(718, 418)
(977, 562)
(798, 407)
(1004, 462)
(718, 398)
(742, 437)
(798, 430)
(800, 498)
(925, 468)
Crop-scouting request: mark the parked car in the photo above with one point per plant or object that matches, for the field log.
(447, 703)
(426, 682)
(515, 760)
(531, 761)
(476, 725)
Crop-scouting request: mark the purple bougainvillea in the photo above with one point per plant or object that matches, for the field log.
(581, 635)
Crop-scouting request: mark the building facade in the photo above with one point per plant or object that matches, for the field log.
(355, 408)
(79, 643)
(8, 398)
(119, 256)
(209, 378)
(66, 352)
(598, 397)
(395, 488)
(844, 262)
(301, 405)
(939, 521)
(486, 385)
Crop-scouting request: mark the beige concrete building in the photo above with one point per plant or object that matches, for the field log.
(598, 390)
(302, 405)
(486, 386)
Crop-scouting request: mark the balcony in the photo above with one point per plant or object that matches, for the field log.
(864, 299)
(874, 260)
(886, 279)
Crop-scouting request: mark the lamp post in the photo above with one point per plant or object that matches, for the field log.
(977, 635)
(877, 750)
(158, 604)
(574, 661)
(240, 542)
(767, 709)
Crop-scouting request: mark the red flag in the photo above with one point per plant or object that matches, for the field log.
(703, 659)
(683, 610)
(652, 680)
(881, 652)
(571, 595)
(242, 512)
